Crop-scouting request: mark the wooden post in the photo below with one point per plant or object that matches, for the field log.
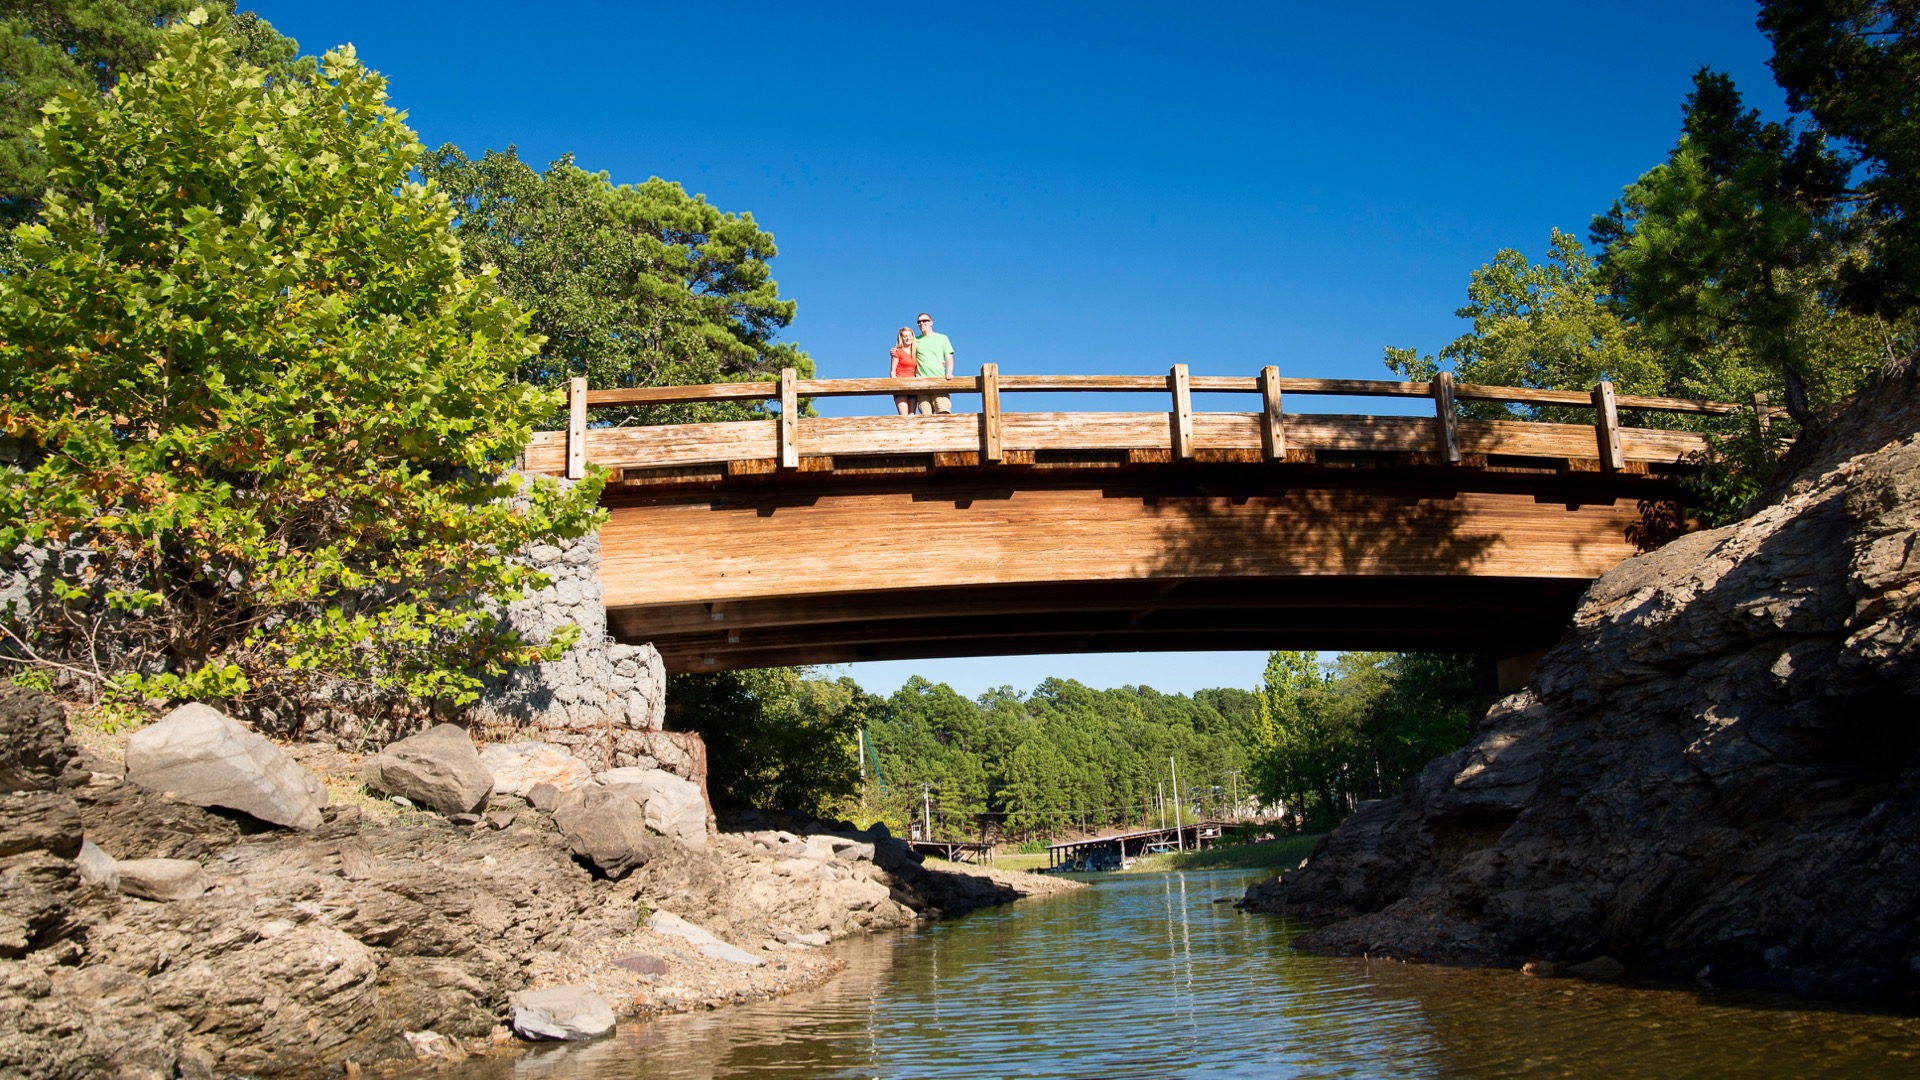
(1446, 418)
(1606, 427)
(789, 421)
(1182, 411)
(1273, 433)
(989, 412)
(1762, 418)
(576, 428)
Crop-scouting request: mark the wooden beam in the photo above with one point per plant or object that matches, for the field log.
(681, 395)
(1762, 419)
(789, 421)
(1446, 417)
(1606, 427)
(1273, 431)
(1182, 411)
(576, 428)
(990, 412)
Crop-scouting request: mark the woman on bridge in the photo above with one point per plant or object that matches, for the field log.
(904, 367)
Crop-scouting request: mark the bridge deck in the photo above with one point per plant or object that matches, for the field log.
(819, 540)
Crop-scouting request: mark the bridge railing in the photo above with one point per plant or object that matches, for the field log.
(996, 436)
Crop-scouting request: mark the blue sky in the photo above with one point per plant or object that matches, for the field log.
(1076, 187)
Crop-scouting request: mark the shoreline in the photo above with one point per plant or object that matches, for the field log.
(385, 940)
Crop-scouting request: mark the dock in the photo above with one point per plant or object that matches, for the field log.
(1119, 850)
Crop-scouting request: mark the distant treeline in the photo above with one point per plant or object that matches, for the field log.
(1309, 743)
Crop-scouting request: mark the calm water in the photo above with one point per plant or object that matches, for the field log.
(1146, 976)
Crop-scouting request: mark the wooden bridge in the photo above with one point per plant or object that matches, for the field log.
(801, 540)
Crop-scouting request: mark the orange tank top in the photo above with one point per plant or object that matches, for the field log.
(904, 365)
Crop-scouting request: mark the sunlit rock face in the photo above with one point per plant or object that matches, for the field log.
(1714, 775)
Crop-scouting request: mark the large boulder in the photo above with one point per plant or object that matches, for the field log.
(560, 1012)
(675, 807)
(607, 826)
(201, 757)
(517, 768)
(438, 767)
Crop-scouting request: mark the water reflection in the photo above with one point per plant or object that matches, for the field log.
(1147, 976)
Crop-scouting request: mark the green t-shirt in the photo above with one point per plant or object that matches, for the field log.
(931, 352)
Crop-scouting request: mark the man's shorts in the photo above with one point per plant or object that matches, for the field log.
(935, 403)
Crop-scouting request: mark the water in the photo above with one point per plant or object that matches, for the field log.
(1145, 975)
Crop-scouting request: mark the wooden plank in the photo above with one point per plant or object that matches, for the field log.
(1355, 387)
(1607, 426)
(990, 412)
(1228, 384)
(1273, 430)
(1520, 395)
(1519, 438)
(667, 445)
(546, 453)
(1762, 418)
(1446, 417)
(1182, 411)
(1084, 431)
(1675, 405)
(1070, 384)
(1663, 447)
(856, 436)
(883, 387)
(681, 395)
(789, 420)
(576, 428)
(767, 544)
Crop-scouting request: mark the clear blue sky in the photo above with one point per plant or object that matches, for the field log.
(1080, 187)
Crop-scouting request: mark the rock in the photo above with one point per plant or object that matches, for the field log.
(607, 826)
(666, 922)
(200, 757)
(642, 964)
(162, 879)
(1600, 967)
(518, 767)
(1714, 770)
(543, 797)
(39, 821)
(675, 807)
(560, 1012)
(438, 768)
(433, 1045)
(500, 819)
(36, 751)
(464, 820)
(97, 867)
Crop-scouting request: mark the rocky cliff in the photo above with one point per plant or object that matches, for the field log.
(1714, 775)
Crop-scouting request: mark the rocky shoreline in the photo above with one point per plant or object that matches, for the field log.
(385, 935)
(1715, 776)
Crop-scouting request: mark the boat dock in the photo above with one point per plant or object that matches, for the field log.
(1118, 851)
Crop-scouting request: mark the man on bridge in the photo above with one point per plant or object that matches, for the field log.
(933, 359)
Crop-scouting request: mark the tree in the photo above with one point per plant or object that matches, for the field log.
(47, 46)
(1853, 64)
(246, 384)
(631, 285)
(1724, 245)
(777, 738)
(1541, 325)
(1295, 750)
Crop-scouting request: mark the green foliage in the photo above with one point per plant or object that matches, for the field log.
(246, 376)
(776, 738)
(1064, 757)
(1853, 64)
(47, 46)
(1330, 737)
(631, 285)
